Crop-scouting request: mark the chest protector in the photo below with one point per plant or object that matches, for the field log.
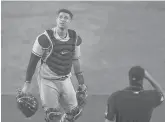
(60, 58)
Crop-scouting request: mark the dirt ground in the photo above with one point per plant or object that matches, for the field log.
(116, 36)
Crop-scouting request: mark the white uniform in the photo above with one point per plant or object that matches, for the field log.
(53, 91)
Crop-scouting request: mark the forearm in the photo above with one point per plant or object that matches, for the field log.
(78, 71)
(156, 86)
(106, 120)
(30, 72)
(31, 67)
(154, 83)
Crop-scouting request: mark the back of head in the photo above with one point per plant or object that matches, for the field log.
(136, 76)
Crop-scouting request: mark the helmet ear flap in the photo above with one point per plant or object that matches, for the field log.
(27, 104)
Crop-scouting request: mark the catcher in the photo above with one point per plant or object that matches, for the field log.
(57, 50)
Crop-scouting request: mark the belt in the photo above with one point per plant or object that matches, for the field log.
(62, 78)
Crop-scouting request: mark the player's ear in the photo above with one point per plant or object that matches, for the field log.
(56, 17)
(69, 20)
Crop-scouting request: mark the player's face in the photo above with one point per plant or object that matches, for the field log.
(63, 20)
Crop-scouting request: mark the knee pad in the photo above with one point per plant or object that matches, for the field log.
(53, 114)
(74, 114)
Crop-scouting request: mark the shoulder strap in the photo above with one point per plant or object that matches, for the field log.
(50, 33)
(72, 34)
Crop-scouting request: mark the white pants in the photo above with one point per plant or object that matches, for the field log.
(57, 94)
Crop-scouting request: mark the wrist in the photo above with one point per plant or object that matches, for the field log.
(82, 87)
(81, 83)
(78, 73)
(27, 82)
(80, 78)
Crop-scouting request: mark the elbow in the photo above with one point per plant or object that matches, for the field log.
(106, 120)
(76, 61)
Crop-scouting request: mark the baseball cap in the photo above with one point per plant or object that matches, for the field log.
(136, 73)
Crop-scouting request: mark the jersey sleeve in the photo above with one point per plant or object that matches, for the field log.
(41, 43)
(110, 112)
(77, 51)
(79, 40)
(157, 98)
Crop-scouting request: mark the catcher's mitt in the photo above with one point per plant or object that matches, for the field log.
(81, 95)
(26, 103)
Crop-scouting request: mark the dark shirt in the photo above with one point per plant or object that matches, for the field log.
(133, 105)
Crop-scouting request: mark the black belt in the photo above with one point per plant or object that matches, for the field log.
(62, 78)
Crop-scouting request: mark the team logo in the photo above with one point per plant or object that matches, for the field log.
(63, 52)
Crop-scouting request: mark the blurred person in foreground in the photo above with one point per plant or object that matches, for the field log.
(134, 104)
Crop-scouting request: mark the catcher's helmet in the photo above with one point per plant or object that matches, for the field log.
(27, 104)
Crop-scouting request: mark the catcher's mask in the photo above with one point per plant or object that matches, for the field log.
(26, 103)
